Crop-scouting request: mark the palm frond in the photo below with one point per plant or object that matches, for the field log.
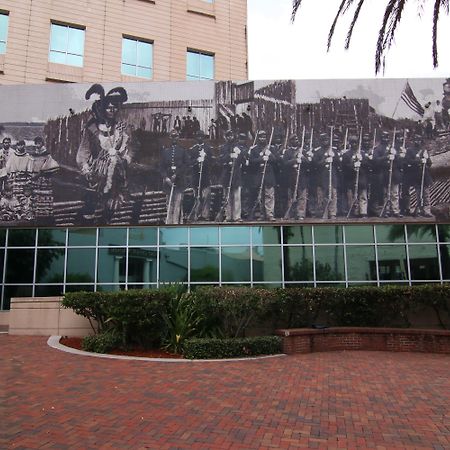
(295, 6)
(352, 25)
(345, 4)
(381, 42)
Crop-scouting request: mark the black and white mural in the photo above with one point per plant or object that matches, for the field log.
(214, 152)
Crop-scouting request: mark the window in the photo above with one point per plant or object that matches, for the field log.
(137, 58)
(200, 66)
(66, 45)
(4, 19)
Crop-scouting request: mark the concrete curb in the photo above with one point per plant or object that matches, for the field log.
(53, 342)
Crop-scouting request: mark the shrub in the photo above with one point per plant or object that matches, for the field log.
(101, 343)
(208, 348)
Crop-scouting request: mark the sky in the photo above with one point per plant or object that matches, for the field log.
(281, 50)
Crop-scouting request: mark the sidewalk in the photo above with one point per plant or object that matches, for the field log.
(51, 399)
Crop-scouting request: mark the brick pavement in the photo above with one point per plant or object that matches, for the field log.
(342, 400)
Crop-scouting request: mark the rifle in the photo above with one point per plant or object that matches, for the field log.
(297, 179)
(356, 187)
(330, 175)
(422, 181)
(193, 214)
(388, 201)
(227, 197)
(170, 202)
(261, 186)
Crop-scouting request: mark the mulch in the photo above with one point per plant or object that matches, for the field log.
(75, 342)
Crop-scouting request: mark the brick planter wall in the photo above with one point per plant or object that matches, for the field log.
(304, 340)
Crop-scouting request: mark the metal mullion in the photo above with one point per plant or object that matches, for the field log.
(4, 270)
(405, 230)
(438, 244)
(345, 256)
(189, 259)
(35, 262)
(157, 257)
(220, 256)
(96, 259)
(126, 259)
(251, 256)
(283, 284)
(313, 240)
(375, 243)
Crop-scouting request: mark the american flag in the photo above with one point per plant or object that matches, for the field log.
(410, 99)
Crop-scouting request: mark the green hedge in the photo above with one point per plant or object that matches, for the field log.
(231, 348)
(101, 343)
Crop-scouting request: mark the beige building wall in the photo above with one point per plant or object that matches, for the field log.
(218, 28)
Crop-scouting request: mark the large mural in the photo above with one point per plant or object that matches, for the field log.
(214, 152)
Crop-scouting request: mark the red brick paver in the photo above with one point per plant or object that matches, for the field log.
(341, 400)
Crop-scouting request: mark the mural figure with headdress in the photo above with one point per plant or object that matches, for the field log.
(104, 152)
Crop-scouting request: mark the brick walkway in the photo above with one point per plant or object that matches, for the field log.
(51, 399)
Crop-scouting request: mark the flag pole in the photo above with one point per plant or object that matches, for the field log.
(398, 102)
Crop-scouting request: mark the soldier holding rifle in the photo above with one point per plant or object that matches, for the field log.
(174, 161)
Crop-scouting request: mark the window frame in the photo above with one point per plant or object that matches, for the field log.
(137, 40)
(200, 53)
(67, 26)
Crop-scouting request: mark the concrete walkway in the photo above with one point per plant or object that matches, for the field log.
(51, 399)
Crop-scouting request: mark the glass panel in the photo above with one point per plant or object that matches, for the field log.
(128, 70)
(328, 234)
(74, 60)
(143, 72)
(204, 264)
(80, 287)
(444, 233)
(110, 287)
(50, 266)
(143, 236)
(51, 237)
(112, 236)
(445, 261)
(75, 45)
(390, 233)
(298, 264)
(173, 236)
(266, 264)
(236, 264)
(297, 235)
(80, 265)
(58, 58)
(423, 262)
(235, 236)
(144, 54)
(207, 67)
(48, 290)
(421, 233)
(21, 238)
(15, 291)
(204, 236)
(359, 234)
(111, 265)
(58, 40)
(142, 265)
(3, 27)
(192, 78)
(129, 51)
(82, 236)
(19, 266)
(330, 263)
(392, 262)
(142, 286)
(193, 64)
(266, 235)
(173, 265)
(2, 237)
(361, 263)
(2, 260)
(2, 47)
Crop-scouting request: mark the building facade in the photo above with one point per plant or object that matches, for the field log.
(122, 40)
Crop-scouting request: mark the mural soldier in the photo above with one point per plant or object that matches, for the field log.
(4, 154)
(200, 157)
(104, 154)
(174, 163)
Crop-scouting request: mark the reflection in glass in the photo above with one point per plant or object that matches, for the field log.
(42, 290)
(266, 235)
(50, 266)
(423, 262)
(392, 262)
(297, 235)
(204, 264)
(80, 287)
(142, 265)
(444, 233)
(205, 236)
(421, 233)
(143, 236)
(330, 263)
(2, 237)
(82, 236)
(111, 265)
(51, 237)
(235, 235)
(267, 264)
(445, 261)
(14, 292)
(80, 265)
(19, 266)
(112, 236)
(173, 236)
(359, 234)
(390, 233)
(235, 264)
(142, 286)
(21, 238)
(173, 265)
(110, 287)
(361, 263)
(328, 234)
(298, 264)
